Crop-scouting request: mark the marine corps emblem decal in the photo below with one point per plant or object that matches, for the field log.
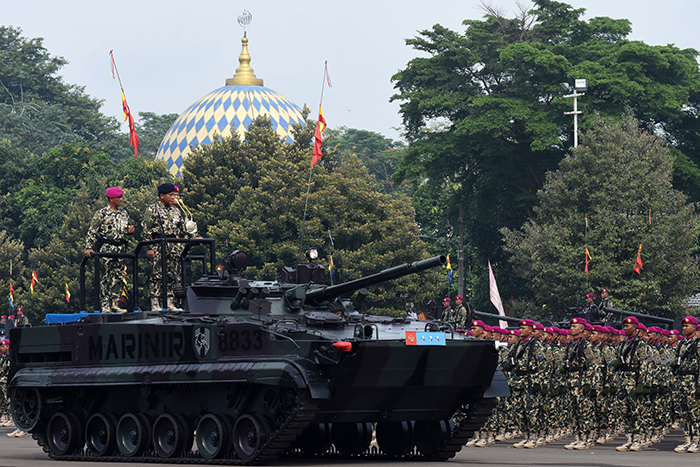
(201, 341)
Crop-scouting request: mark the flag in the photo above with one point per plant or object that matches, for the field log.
(638, 268)
(35, 279)
(650, 219)
(125, 107)
(328, 77)
(125, 294)
(330, 236)
(332, 267)
(586, 220)
(219, 268)
(318, 137)
(496, 297)
(12, 297)
(588, 256)
(133, 137)
(111, 63)
(448, 265)
(67, 293)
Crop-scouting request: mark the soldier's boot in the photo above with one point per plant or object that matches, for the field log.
(602, 438)
(116, 308)
(522, 442)
(171, 305)
(105, 306)
(550, 438)
(491, 438)
(584, 443)
(531, 441)
(638, 444)
(155, 304)
(684, 447)
(483, 440)
(626, 446)
(646, 440)
(541, 441)
(573, 444)
(501, 436)
(475, 439)
(695, 445)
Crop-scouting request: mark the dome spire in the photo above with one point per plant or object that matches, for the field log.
(244, 73)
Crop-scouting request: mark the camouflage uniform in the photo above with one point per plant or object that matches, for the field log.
(4, 401)
(631, 365)
(687, 363)
(525, 362)
(461, 318)
(582, 382)
(108, 234)
(164, 221)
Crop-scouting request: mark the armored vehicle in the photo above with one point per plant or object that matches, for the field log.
(252, 370)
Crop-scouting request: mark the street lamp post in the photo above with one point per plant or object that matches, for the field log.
(579, 85)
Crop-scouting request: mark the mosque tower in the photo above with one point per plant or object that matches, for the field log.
(229, 109)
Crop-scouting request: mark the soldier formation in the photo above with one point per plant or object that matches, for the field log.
(596, 383)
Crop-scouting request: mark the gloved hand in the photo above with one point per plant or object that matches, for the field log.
(586, 388)
(506, 366)
(653, 390)
(639, 389)
(673, 364)
(536, 388)
(605, 391)
(544, 390)
(616, 363)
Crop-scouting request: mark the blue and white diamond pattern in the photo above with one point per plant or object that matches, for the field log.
(221, 110)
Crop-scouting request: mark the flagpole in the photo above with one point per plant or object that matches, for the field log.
(311, 168)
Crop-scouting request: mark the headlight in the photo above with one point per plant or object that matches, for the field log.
(312, 254)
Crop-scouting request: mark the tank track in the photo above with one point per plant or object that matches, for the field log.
(471, 420)
(278, 443)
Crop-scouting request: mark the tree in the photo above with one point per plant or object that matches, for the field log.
(151, 129)
(251, 195)
(379, 154)
(484, 109)
(619, 183)
(38, 110)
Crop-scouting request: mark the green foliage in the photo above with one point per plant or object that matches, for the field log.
(378, 153)
(484, 109)
(151, 129)
(618, 176)
(251, 195)
(38, 110)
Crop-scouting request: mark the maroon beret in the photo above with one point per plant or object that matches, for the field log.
(577, 321)
(527, 322)
(631, 320)
(690, 320)
(114, 192)
(478, 322)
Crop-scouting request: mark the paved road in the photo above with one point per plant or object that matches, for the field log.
(24, 452)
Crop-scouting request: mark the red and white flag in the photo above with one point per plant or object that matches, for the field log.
(496, 297)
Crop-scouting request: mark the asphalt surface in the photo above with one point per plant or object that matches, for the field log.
(24, 452)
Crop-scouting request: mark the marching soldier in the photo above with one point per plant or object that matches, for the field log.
(525, 362)
(687, 366)
(578, 368)
(630, 364)
(108, 234)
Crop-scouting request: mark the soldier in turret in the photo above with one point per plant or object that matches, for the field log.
(605, 302)
(462, 314)
(590, 310)
(108, 234)
(164, 219)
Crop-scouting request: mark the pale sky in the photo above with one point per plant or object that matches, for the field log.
(171, 53)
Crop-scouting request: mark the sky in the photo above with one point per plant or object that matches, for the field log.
(171, 53)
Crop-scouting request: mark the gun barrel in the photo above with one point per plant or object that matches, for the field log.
(509, 319)
(657, 319)
(333, 291)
